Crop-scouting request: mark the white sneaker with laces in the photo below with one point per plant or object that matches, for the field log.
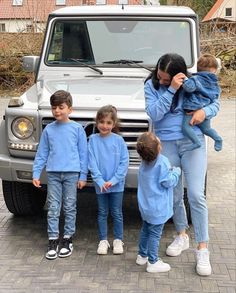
(103, 247)
(158, 267)
(203, 266)
(140, 260)
(118, 246)
(180, 244)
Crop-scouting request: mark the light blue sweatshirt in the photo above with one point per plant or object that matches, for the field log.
(156, 181)
(108, 161)
(62, 148)
(168, 125)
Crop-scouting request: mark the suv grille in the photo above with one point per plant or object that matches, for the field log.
(130, 130)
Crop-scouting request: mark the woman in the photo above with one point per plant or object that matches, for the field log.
(164, 97)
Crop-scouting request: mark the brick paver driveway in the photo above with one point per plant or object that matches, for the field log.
(23, 267)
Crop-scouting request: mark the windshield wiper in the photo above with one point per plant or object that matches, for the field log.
(127, 61)
(79, 61)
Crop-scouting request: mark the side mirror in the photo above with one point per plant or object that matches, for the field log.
(30, 63)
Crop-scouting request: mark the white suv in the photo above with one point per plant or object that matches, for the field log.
(101, 55)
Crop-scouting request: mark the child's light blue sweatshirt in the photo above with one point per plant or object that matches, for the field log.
(108, 161)
(62, 148)
(168, 125)
(156, 181)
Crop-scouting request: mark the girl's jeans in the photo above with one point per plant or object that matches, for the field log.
(62, 191)
(149, 241)
(193, 164)
(110, 201)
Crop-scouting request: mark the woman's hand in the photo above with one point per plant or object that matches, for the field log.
(177, 80)
(198, 117)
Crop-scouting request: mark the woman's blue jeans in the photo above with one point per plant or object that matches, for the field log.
(62, 191)
(193, 164)
(149, 241)
(112, 202)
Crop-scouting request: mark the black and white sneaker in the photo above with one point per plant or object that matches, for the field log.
(66, 247)
(52, 249)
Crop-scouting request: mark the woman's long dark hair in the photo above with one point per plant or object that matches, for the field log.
(172, 64)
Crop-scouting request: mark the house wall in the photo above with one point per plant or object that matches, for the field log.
(220, 13)
(20, 25)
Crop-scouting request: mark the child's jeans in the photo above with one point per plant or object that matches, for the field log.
(149, 241)
(112, 202)
(62, 191)
(206, 129)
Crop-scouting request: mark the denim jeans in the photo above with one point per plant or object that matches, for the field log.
(193, 164)
(149, 241)
(62, 191)
(112, 202)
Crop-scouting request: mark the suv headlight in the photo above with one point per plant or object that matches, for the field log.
(22, 127)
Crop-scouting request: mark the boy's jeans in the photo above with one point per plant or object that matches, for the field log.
(193, 164)
(62, 191)
(149, 241)
(110, 201)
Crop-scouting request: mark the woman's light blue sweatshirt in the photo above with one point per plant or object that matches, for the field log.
(168, 125)
(156, 181)
(62, 148)
(108, 161)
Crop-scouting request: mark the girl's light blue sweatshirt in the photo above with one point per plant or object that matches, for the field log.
(62, 148)
(108, 161)
(156, 181)
(168, 125)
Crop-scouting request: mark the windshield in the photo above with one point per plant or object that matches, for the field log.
(97, 42)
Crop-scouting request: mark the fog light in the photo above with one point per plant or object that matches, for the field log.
(24, 175)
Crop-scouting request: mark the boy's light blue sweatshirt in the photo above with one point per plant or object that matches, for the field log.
(167, 125)
(108, 161)
(156, 181)
(62, 148)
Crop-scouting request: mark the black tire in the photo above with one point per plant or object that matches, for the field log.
(186, 203)
(23, 199)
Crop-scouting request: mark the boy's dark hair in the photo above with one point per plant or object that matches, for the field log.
(104, 112)
(172, 64)
(206, 62)
(148, 146)
(60, 97)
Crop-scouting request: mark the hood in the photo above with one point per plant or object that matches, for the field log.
(94, 92)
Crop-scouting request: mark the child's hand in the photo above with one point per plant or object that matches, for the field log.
(106, 186)
(81, 184)
(36, 183)
(177, 170)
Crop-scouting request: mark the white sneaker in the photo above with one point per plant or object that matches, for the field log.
(140, 260)
(118, 246)
(178, 245)
(103, 247)
(203, 266)
(158, 267)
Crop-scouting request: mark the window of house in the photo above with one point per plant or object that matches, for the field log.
(29, 28)
(2, 27)
(99, 2)
(17, 2)
(123, 2)
(228, 11)
(60, 2)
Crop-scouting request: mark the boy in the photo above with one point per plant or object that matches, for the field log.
(63, 150)
(202, 89)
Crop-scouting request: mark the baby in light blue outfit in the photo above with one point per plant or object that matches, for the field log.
(201, 90)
